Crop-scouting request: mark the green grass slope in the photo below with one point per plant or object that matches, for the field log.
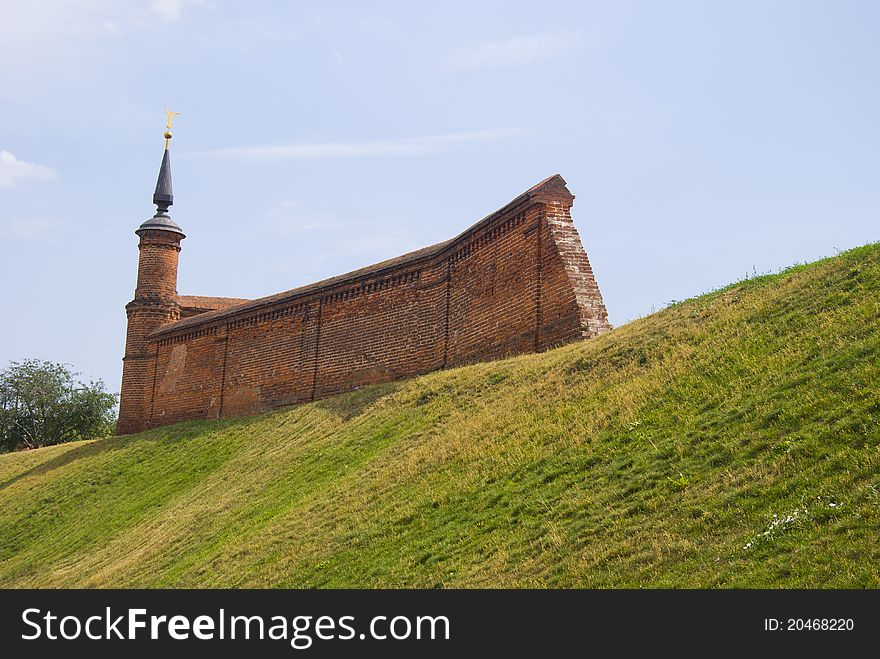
(732, 440)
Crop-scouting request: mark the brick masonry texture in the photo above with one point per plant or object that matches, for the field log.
(517, 281)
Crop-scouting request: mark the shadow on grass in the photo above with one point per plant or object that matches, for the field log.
(345, 406)
(353, 403)
(182, 431)
(84, 451)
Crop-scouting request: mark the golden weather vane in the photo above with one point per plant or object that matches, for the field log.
(171, 114)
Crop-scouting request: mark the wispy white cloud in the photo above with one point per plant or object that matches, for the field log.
(513, 52)
(332, 257)
(53, 37)
(377, 25)
(13, 171)
(290, 217)
(329, 249)
(167, 10)
(28, 228)
(266, 30)
(31, 25)
(406, 146)
(28, 26)
(339, 58)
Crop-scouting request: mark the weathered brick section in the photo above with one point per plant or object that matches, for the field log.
(517, 281)
(193, 305)
(564, 237)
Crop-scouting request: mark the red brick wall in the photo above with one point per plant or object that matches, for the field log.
(515, 282)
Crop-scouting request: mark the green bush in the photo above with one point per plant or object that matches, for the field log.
(41, 404)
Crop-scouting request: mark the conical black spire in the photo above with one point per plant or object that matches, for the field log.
(163, 197)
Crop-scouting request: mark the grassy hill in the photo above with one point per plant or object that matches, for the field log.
(730, 440)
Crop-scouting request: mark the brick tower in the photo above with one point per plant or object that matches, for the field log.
(155, 301)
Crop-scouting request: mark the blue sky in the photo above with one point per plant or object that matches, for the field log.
(703, 140)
